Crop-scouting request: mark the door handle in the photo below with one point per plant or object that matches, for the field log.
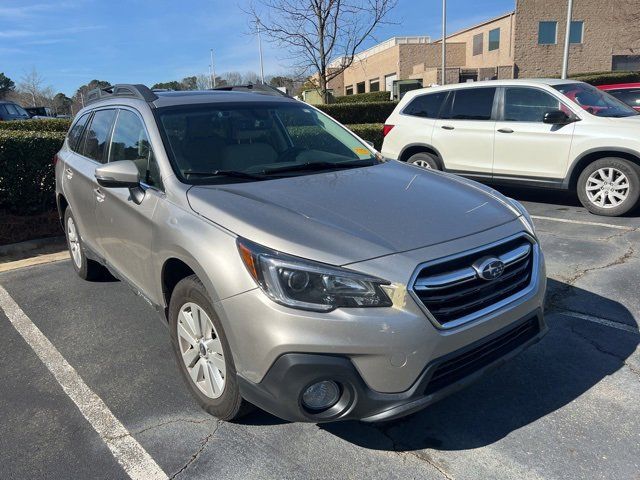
(68, 172)
(447, 127)
(505, 130)
(99, 195)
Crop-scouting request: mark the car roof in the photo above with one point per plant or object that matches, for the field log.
(193, 97)
(621, 86)
(531, 82)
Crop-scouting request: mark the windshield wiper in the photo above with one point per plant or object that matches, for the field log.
(225, 173)
(310, 166)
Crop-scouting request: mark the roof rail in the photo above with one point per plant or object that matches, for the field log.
(138, 90)
(260, 88)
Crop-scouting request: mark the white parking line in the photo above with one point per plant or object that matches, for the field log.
(579, 222)
(602, 321)
(127, 451)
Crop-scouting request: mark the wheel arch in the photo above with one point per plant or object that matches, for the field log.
(62, 204)
(591, 156)
(173, 270)
(414, 148)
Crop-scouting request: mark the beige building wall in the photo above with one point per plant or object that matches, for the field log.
(503, 56)
(611, 27)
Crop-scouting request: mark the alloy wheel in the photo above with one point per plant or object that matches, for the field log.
(74, 242)
(201, 350)
(422, 163)
(607, 187)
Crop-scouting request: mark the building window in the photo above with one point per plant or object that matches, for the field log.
(477, 44)
(547, 33)
(576, 32)
(494, 39)
(348, 90)
(625, 63)
(360, 87)
(374, 85)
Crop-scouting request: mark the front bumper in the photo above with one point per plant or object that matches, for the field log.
(281, 388)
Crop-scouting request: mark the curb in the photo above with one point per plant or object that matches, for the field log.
(28, 245)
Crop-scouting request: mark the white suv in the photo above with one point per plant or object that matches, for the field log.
(543, 133)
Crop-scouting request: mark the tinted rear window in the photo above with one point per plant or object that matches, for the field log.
(76, 132)
(629, 96)
(426, 106)
(470, 104)
(97, 134)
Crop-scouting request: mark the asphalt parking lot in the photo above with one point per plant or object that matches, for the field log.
(567, 408)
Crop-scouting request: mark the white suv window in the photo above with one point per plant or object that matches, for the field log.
(470, 104)
(426, 106)
(523, 104)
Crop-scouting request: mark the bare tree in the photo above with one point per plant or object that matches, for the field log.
(32, 90)
(250, 77)
(232, 78)
(203, 81)
(322, 36)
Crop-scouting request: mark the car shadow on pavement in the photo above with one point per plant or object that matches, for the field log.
(574, 356)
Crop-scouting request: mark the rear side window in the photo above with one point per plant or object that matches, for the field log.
(426, 106)
(527, 104)
(470, 104)
(96, 135)
(76, 132)
(130, 142)
(629, 96)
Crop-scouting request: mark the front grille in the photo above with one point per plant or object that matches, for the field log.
(464, 364)
(453, 291)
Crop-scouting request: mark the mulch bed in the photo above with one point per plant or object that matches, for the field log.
(18, 228)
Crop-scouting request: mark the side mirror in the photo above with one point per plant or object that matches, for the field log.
(556, 117)
(120, 174)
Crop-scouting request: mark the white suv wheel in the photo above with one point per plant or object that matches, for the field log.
(607, 187)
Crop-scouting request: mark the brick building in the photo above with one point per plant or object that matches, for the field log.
(528, 42)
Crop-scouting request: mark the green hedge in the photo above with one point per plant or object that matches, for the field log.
(27, 182)
(605, 78)
(369, 131)
(53, 125)
(364, 98)
(355, 113)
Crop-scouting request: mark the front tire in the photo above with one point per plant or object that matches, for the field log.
(202, 351)
(424, 160)
(609, 186)
(85, 268)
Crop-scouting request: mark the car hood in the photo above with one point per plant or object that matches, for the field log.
(353, 215)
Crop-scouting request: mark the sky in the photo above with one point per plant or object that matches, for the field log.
(70, 43)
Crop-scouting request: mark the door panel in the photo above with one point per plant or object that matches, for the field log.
(524, 145)
(464, 134)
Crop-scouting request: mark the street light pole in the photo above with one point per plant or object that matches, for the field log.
(260, 49)
(213, 71)
(444, 42)
(210, 78)
(567, 39)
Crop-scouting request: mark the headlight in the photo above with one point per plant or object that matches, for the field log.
(309, 285)
(525, 218)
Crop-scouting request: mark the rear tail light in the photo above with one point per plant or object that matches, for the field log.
(54, 160)
(386, 129)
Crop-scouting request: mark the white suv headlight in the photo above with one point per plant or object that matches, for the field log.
(308, 285)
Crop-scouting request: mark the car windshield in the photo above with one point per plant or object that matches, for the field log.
(220, 143)
(595, 101)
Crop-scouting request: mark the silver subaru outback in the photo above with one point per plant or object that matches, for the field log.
(296, 268)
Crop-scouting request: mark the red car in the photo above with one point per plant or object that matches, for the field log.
(628, 93)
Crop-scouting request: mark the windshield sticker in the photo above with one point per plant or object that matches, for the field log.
(361, 151)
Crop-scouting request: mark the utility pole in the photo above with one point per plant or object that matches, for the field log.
(210, 78)
(260, 50)
(567, 39)
(444, 42)
(213, 71)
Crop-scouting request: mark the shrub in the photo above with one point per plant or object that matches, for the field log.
(369, 131)
(53, 125)
(352, 113)
(364, 97)
(27, 182)
(604, 78)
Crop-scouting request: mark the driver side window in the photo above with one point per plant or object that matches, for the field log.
(523, 104)
(130, 142)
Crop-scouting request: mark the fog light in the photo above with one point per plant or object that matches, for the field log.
(321, 395)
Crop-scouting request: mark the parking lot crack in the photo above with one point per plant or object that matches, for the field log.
(604, 351)
(162, 424)
(423, 457)
(194, 457)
